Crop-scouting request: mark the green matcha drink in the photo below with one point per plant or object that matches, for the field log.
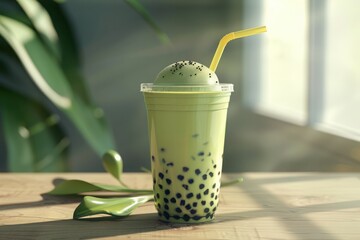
(187, 108)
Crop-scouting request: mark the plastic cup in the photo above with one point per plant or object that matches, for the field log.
(186, 122)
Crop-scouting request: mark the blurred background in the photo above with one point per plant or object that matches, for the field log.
(297, 87)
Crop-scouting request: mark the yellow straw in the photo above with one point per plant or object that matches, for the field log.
(231, 36)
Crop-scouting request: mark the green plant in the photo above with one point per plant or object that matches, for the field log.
(41, 85)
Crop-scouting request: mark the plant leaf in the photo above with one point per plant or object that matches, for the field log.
(34, 140)
(78, 186)
(139, 8)
(113, 164)
(119, 207)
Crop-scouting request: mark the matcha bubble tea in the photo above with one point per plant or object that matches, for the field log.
(186, 111)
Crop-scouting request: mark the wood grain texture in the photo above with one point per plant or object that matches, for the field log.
(265, 206)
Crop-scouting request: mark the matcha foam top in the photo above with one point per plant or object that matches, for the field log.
(186, 76)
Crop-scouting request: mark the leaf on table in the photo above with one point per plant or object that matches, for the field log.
(119, 207)
(79, 186)
(113, 164)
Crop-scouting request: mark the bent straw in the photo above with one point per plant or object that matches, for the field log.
(231, 36)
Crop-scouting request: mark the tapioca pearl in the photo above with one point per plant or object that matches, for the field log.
(182, 203)
(191, 181)
(216, 197)
(217, 190)
(168, 181)
(158, 195)
(162, 149)
(166, 207)
(180, 177)
(194, 204)
(186, 217)
(206, 210)
(167, 191)
(178, 210)
(204, 177)
(161, 175)
(166, 171)
(214, 209)
(197, 171)
(178, 195)
(159, 205)
(206, 192)
(177, 217)
(185, 169)
(170, 164)
(188, 206)
(214, 185)
(219, 173)
(166, 215)
(193, 211)
(163, 160)
(201, 186)
(160, 186)
(197, 218)
(214, 166)
(189, 195)
(166, 200)
(153, 158)
(186, 187)
(173, 200)
(211, 203)
(211, 174)
(208, 215)
(201, 153)
(212, 195)
(198, 196)
(203, 202)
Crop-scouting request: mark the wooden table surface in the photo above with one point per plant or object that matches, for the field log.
(265, 206)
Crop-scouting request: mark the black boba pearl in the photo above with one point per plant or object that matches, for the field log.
(178, 210)
(208, 215)
(198, 196)
(203, 202)
(176, 217)
(162, 149)
(182, 202)
(159, 205)
(211, 174)
(188, 206)
(193, 211)
(206, 210)
(161, 175)
(167, 191)
(201, 186)
(197, 171)
(211, 203)
(214, 209)
(219, 173)
(178, 195)
(168, 181)
(191, 181)
(152, 158)
(194, 204)
(158, 195)
(166, 215)
(166, 200)
(186, 187)
(186, 217)
(166, 207)
(204, 176)
(216, 197)
(173, 200)
(217, 190)
(215, 166)
(206, 192)
(201, 153)
(214, 185)
(180, 177)
(170, 164)
(189, 195)
(197, 218)
(154, 180)
(185, 169)
(212, 195)
(160, 186)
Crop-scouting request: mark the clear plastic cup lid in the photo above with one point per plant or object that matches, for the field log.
(151, 87)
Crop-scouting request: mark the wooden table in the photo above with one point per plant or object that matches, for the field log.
(265, 206)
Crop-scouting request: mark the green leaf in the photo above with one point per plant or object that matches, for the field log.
(119, 207)
(113, 164)
(34, 140)
(139, 8)
(78, 186)
(232, 182)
